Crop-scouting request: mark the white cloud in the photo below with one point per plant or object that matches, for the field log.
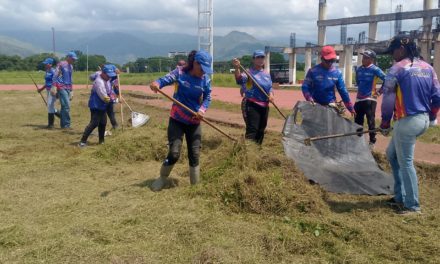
(262, 18)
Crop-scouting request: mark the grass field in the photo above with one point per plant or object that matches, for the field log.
(22, 77)
(62, 204)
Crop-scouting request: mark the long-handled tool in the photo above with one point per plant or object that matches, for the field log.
(122, 107)
(262, 90)
(36, 86)
(308, 141)
(195, 114)
(137, 119)
(57, 114)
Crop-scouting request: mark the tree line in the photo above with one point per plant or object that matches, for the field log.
(141, 65)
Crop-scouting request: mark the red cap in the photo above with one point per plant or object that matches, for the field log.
(328, 53)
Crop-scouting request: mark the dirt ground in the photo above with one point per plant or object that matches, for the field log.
(284, 98)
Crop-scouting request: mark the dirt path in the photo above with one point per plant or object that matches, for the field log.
(284, 98)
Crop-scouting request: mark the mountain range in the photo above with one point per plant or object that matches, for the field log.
(121, 47)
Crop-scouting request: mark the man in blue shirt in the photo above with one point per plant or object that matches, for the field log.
(367, 76)
(321, 80)
(63, 82)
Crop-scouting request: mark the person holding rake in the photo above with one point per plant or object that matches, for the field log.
(192, 88)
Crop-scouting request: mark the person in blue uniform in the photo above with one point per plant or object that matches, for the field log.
(192, 87)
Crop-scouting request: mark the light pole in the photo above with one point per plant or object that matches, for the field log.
(53, 40)
(87, 66)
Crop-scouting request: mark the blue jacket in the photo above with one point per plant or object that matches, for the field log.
(250, 90)
(63, 75)
(319, 86)
(99, 91)
(410, 88)
(366, 80)
(48, 79)
(191, 91)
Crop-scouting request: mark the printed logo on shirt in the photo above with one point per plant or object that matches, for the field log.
(186, 84)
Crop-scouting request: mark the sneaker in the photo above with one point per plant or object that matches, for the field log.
(82, 144)
(107, 133)
(408, 212)
(371, 146)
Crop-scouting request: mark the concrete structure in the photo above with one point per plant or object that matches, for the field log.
(426, 38)
(322, 16)
(372, 26)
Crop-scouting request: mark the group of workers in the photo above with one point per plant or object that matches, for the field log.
(410, 90)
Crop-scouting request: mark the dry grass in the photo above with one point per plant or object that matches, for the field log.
(60, 204)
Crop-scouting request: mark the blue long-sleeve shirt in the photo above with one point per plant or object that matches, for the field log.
(63, 76)
(410, 89)
(191, 91)
(366, 80)
(319, 86)
(48, 79)
(251, 91)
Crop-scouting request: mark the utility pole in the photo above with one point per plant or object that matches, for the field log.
(87, 66)
(53, 40)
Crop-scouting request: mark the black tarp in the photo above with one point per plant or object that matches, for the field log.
(341, 165)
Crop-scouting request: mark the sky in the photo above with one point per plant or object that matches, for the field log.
(262, 18)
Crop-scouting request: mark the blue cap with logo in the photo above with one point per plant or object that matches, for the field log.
(48, 61)
(258, 53)
(109, 69)
(205, 60)
(72, 54)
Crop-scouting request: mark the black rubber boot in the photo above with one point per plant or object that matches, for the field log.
(51, 120)
(57, 113)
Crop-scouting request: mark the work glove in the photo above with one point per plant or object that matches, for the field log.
(433, 123)
(106, 99)
(71, 95)
(385, 128)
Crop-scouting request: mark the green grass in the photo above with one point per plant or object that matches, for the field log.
(61, 204)
(22, 77)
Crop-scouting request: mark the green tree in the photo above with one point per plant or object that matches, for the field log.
(384, 62)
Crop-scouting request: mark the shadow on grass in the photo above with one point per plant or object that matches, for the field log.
(170, 183)
(38, 127)
(348, 207)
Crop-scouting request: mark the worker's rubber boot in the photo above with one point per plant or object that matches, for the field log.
(50, 120)
(194, 174)
(159, 183)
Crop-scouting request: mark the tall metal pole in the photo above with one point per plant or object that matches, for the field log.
(87, 66)
(53, 40)
(205, 22)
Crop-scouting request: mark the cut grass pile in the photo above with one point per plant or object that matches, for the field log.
(62, 204)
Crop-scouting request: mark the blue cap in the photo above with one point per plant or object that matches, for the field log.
(205, 60)
(109, 69)
(258, 53)
(48, 61)
(72, 55)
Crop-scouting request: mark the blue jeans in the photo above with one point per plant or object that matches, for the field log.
(65, 107)
(400, 154)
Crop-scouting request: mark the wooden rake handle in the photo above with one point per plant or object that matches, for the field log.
(195, 114)
(261, 89)
(36, 86)
(308, 141)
